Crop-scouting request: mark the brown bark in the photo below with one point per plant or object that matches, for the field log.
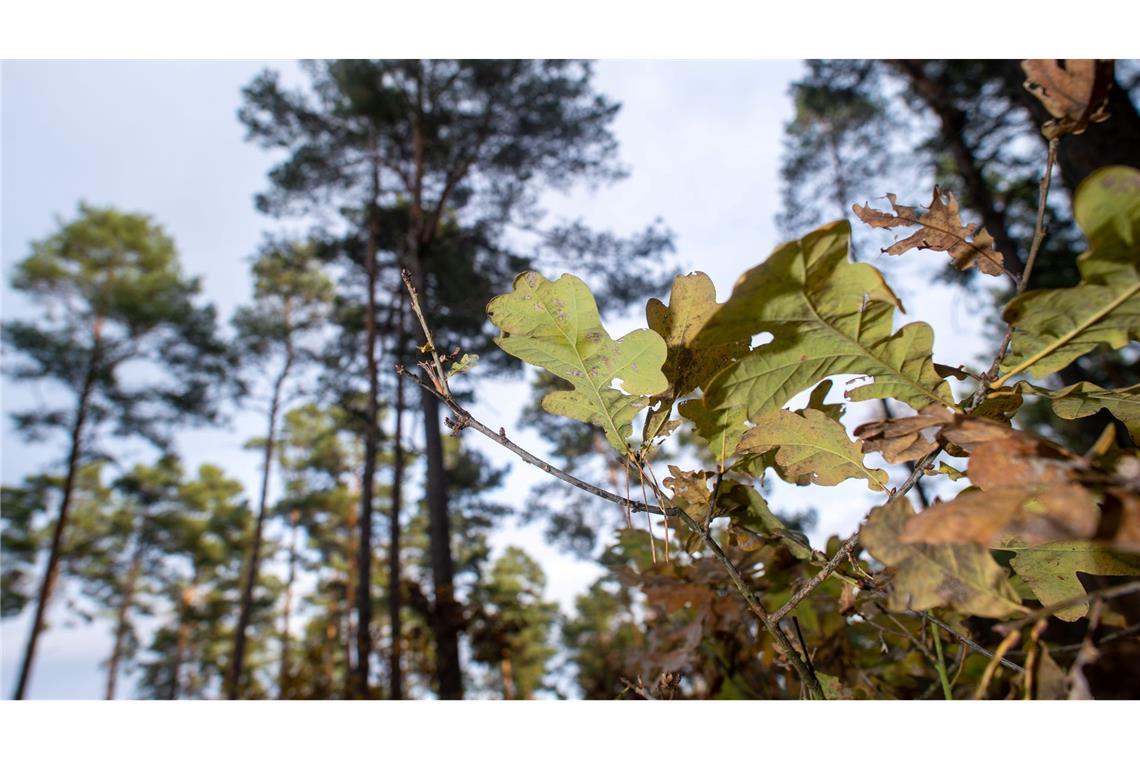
(47, 585)
(371, 445)
(121, 622)
(446, 619)
(506, 675)
(283, 674)
(237, 663)
(395, 669)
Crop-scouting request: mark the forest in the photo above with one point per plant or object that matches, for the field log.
(409, 267)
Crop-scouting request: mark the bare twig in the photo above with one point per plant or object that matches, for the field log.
(969, 642)
(640, 691)
(1005, 645)
(1039, 227)
(1044, 612)
(845, 551)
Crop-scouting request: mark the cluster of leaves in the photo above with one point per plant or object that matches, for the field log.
(1034, 518)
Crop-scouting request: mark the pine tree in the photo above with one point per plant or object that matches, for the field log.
(112, 293)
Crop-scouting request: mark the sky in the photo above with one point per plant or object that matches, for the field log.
(702, 141)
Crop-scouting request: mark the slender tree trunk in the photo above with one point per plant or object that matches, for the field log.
(237, 664)
(952, 120)
(371, 444)
(395, 670)
(184, 603)
(506, 675)
(350, 680)
(122, 624)
(283, 675)
(446, 620)
(47, 584)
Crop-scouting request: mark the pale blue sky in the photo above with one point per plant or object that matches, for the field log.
(702, 140)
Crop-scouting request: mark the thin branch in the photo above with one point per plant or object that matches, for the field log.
(970, 642)
(1039, 227)
(1102, 594)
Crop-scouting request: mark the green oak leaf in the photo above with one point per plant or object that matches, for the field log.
(810, 448)
(1050, 570)
(1083, 399)
(827, 316)
(556, 325)
(963, 577)
(721, 429)
(1052, 328)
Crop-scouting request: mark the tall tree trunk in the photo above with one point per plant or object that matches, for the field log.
(371, 443)
(237, 664)
(283, 675)
(395, 669)
(506, 675)
(978, 194)
(122, 624)
(47, 584)
(350, 679)
(185, 600)
(446, 620)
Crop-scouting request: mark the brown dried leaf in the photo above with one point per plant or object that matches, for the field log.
(941, 230)
(1074, 90)
(1033, 516)
(690, 492)
(902, 439)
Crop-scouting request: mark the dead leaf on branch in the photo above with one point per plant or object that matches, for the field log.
(941, 230)
(904, 439)
(1075, 91)
(1032, 515)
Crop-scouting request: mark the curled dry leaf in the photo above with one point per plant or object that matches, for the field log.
(1075, 91)
(904, 439)
(941, 229)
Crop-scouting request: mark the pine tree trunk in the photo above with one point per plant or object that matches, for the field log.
(47, 584)
(283, 675)
(237, 664)
(371, 446)
(185, 600)
(395, 670)
(446, 618)
(121, 624)
(506, 676)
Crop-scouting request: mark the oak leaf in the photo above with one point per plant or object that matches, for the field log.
(1075, 91)
(1051, 570)
(1052, 328)
(809, 447)
(1084, 398)
(827, 316)
(556, 326)
(961, 576)
(940, 229)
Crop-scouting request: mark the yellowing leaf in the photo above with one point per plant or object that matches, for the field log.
(809, 447)
(827, 316)
(1075, 91)
(1083, 399)
(940, 229)
(961, 576)
(722, 429)
(556, 326)
(1052, 328)
(692, 302)
(1050, 571)
(465, 363)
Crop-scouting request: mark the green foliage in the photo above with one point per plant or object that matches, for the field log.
(556, 326)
